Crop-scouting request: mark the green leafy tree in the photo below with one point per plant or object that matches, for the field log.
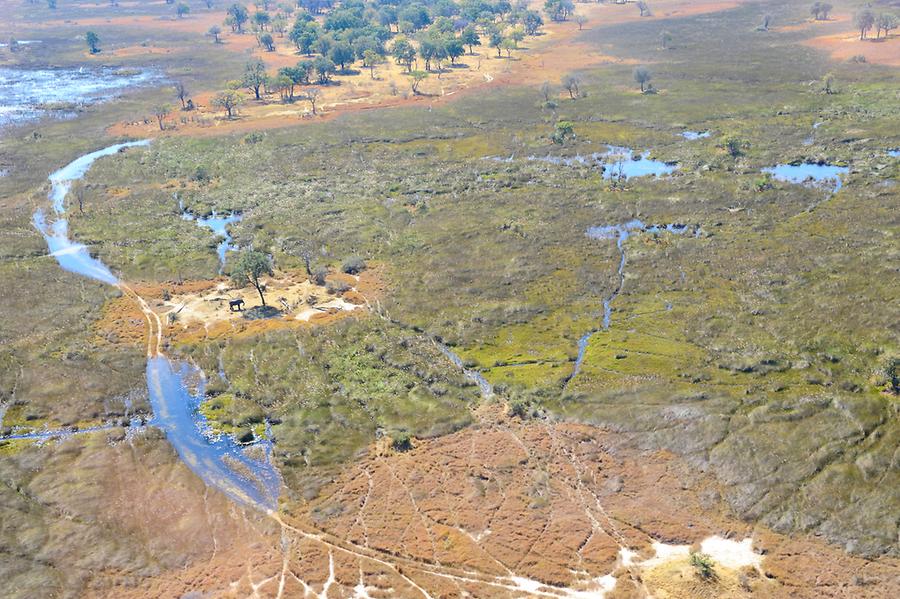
(237, 16)
(559, 10)
(93, 42)
(532, 22)
(162, 111)
(324, 68)
(250, 268)
(342, 54)
(496, 39)
(865, 20)
(417, 78)
(267, 41)
(371, 59)
(304, 35)
(885, 22)
(182, 9)
(469, 37)
(642, 75)
(215, 31)
(403, 52)
(254, 76)
(229, 101)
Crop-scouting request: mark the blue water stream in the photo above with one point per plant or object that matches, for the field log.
(620, 232)
(217, 459)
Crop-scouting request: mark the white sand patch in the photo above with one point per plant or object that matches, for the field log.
(731, 554)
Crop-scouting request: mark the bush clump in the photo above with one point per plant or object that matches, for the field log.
(353, 265)
(401, 441)
(703, 566)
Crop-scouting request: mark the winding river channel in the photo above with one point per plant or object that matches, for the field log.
(176, 388)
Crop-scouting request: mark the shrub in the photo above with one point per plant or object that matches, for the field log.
(703, 566)
(401, 441)
(336, 287)
(519, 408)
(353, 265)
(318, 275)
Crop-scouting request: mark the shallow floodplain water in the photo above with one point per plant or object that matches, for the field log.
(217, 459)
(808, 173)
(218, 224)
(29, 94)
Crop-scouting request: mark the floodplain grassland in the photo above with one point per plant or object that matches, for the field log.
(782, 310)
(763, 349)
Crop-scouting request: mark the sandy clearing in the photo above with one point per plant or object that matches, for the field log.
(846, 44)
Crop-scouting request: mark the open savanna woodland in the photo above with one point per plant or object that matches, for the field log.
(370, 299)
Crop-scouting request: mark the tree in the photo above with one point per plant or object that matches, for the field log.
(665, 38)
(886, 22)
(254, 76)
(324, 68)
(51, 4)
(546, 91)
(532, 22)
(182, 93)
(643, 76)
(267, 41)
(508, 45)
(238, 15)
(279, 24)
(469, 37)
(284, 85)
(820, 10)
(261, 19)
(403, 52)
(559, 10)
(304, 34)
(496, 40)
(342, 53)
(570, 84)
(250, 267)
(312, 96)
(161, 112)
(296, 75)
(864, 22)
(581, 20)
(417, 78)
(564, 130)
(228, 101)
(815, 10)
(215, 31)
(182, 9)
(93, 42)
(453, 47)
(370, 59)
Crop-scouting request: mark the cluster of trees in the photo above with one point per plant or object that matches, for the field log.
(370, 31)
(820, 10)
(866, 20)
(357, 30)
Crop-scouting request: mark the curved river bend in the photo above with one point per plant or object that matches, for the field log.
(218, 460)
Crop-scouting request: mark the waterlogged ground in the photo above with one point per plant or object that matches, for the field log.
(28, 94)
